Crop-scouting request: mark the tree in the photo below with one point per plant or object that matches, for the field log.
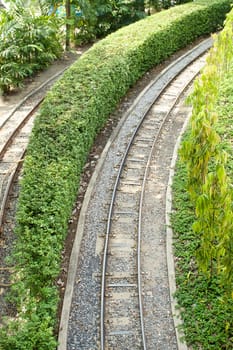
(29, 41)
(68, 25)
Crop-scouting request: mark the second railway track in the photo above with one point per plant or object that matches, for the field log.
(15, 129)
(120, 290)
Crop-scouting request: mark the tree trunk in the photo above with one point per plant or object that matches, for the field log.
(67, 25)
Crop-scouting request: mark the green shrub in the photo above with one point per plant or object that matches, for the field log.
(203, 199)
(28, 43)
(209, 185)
(206, 303)
(70, 117)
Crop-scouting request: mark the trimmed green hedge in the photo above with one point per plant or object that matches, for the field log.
(73, 112)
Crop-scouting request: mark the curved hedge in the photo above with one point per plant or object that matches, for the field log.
(72, 114)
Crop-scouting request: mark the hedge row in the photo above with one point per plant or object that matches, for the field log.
(72, 114)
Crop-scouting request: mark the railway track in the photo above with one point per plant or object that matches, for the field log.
(122, 279)
(122, 311)
(15, 130)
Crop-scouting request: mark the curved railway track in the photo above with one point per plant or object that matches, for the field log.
(122, 314)
(107, 302)
(15, 130)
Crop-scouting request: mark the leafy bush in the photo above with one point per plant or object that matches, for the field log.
(28, 44)
(206, 312)
(71, 115)
(206, 303)
(204, 245)
(209, 185)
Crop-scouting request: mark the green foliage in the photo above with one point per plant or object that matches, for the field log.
(203, 246)
(164, 4)
(224, 127)
(205, 310)
(73, 112)
(33, 331)
(113, 15)
(214, 224)
(208, 183)
(84, 26)
(28, 43)
(100, 18)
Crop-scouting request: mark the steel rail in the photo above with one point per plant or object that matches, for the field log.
(14, 134)
(32, 110)
(170, 73)
(18, 128)
(168, 113)
(7, 191)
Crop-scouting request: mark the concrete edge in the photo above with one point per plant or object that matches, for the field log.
(178, 322)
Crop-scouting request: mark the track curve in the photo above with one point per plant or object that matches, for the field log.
(68, 337)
